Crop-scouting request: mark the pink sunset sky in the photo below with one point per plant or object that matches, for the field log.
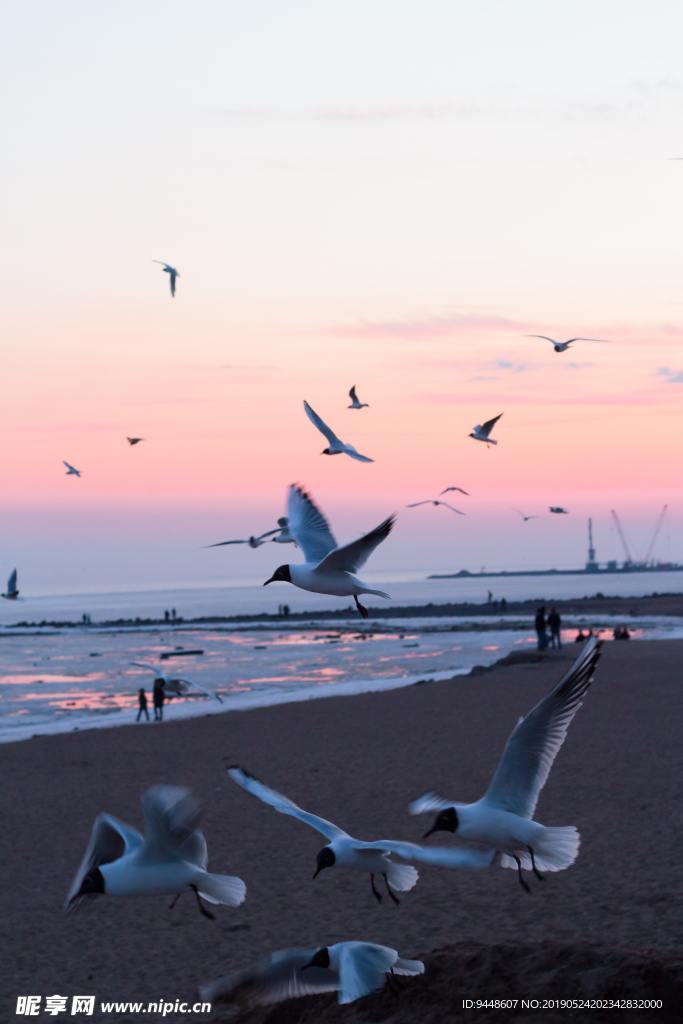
(389, 195)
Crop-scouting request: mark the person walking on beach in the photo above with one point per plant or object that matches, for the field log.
(555, 623)
(158, 698)
(142, 705)
(539, 626)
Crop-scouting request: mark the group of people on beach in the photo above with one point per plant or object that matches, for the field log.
(548, 628)
(158, 699)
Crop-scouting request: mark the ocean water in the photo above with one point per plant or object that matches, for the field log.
(58, 679)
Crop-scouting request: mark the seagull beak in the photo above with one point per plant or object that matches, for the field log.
(271, 580)
(317, 872)
(428, 833)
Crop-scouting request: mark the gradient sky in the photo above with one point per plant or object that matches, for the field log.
(385, 193)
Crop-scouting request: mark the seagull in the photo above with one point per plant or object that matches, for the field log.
(482, 430)
(282, 534)
(177, 687)
(335, 446)
(12, 592)
(563, 346)
(328, 569)
(170, 858)
(458, 489)
(558, 510)
(503, 817)
(134, 440)
(368, 858)
(353, 969)
(172, 275)
(253, 542)
(524, 517)
(70, 470)
(355, 404)
(433, 501)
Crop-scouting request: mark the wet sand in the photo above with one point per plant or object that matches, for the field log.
(360, 760)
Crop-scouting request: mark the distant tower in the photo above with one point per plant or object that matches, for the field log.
(591, 564)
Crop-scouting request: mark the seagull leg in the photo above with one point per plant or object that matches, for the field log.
(174, 900)
(202, 908)
(375, 893)
(519, 874)
(390, 890)
(538, 874)
(361, 608)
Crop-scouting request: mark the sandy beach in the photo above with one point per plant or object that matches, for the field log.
(360, 760)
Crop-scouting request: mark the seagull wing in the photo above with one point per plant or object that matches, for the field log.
(308, 525)
(282, 803)
(275, 978)
(12, 582)
(452, 508)
(321, 425)
(538, 736)
(109, 840)
(352, 557)
(150, 668)
(602, 341)
(416, 504)
(351, 451)
(429, 802)
(172, 274)
(222, 543)
(487, 427)
(171, 815)
(436, 856)
(268, 533)
(544, 337)
(363, 967)
(161, 263)
(352, 394)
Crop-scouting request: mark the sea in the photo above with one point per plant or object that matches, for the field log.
(59, 674)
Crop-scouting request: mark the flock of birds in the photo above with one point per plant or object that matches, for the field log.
(498, 830)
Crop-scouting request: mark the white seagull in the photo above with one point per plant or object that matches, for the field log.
(525, 517)
(253, 542)
(367, 858)
(453, 488)
(563, 346)
(12, 592)
(503, 817)
(282, 534)
(70, 470)
(134, 440)
(176, 687)
(328, 569)
(557, 510)
(355, 404)
(335, 446)
(482, 431)
(173, 274)
(353, 969)
(170, 858)
(433, 501)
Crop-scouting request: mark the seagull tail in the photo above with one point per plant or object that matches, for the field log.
(403, 966)
(554, 850)
(401, 877)
(226, 889)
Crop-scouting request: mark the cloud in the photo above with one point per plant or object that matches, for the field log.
(671, 376)
(506, 364)
(424, 327)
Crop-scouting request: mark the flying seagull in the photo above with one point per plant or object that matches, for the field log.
(453, 488)
(177, 687)
(134, 440)
(328, 569)
(171, 857)
(482, 431)
(503, 818)
(12, 592)
(335, 446)
(172, 275)
(433, 501)
(71, 470)
(558, 510)
(367, 858)
(563, 346)
(352, 969)
(253, 542)
(355, 404)
(282, 534)
(524, 517)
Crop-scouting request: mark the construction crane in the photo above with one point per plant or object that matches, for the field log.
(622, 538)
(655, 535)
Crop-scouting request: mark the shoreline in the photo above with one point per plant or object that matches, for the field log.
(649, 604)
(359, 761)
